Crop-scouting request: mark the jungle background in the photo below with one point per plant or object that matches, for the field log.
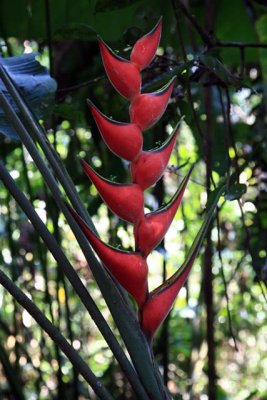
(215, 336)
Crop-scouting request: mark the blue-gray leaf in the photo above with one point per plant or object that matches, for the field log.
(35, 84)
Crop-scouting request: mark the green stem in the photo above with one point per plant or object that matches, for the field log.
(50, 153)
(120, 310)
(56, 336)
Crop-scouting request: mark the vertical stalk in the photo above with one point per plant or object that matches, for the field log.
(159, 192)
(208, 276)
(165, 336)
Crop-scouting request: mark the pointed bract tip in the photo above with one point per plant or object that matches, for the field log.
(150, 165)
(148, 108)
(125, 200)
(144, 50)
(123, 74)
(123, 139)
(129, 268)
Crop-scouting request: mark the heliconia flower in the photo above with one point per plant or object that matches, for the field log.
(162, 298)
(123, 139)
(123, 74)
(152, 228)
(150, 165)
(146, 167)
(129, 268)
(144, 49)
(125, 200)
(146, 109)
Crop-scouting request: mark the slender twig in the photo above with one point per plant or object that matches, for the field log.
(219, 249)
(227, 135)
(249, 248)
(240, 45)
(188, 84)
(230, 130)
(206, 37)
(247, 233)
(208, 259)
(165, 332)
(209, 40)
(242, 63)
(238, 265)
(81, 85)
(69, 271)
(56, 336)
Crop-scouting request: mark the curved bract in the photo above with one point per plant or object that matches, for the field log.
(124, 140)
(144, 50)
(124, 75)
(130, 269)
(162, 298)
(146, 109)
(150, 165)
(125, 200)
(153, 227)
(158, 306)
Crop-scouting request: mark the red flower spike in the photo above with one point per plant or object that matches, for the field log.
(130, 269)
(152, 228)
(124, 140)
(150, 165)
(125, 200)
(162, 298)
(124, 75)
(148, 108)
(145, 48)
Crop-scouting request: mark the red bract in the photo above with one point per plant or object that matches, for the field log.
(124, 140)
(152, 228)
(148, 108)
(162, 298)
(123, 74)
(130, 269)
(125, 200)
(150, 165)
(145, 48)
(160, 302)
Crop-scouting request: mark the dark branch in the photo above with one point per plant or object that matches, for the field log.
(208, 39)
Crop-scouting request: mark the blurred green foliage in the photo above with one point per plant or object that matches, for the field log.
(227, 97)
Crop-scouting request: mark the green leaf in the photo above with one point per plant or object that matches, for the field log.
(69, 112)
(35, 83)
(110, 19)
(217, 68)
(236, 191)
(76, 31)
(109, 5)
(262, 28)
(233, 23)
(221, 394)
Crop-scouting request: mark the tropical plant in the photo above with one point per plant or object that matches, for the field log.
(211, 343)
(128, 269)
